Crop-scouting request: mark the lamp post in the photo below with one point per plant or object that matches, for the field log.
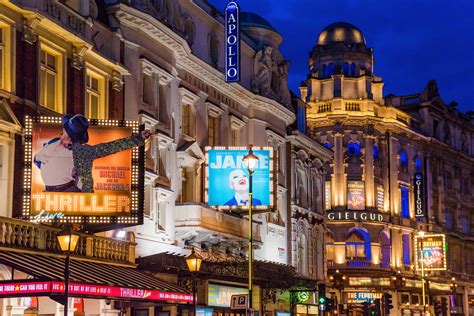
(194, 265)
(251, 160)
(67, 240)
(421, 235)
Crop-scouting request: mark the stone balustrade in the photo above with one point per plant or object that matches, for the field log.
(21, 234)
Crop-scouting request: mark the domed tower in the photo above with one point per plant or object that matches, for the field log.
(259, 29)
(341, 66)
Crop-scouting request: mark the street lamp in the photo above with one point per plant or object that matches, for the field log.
(67, 240)
(421, 235)
(251, 160)
(194, 265)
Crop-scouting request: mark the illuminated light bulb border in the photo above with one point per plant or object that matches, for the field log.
(137, 167)
(418, 248)
(273, 176)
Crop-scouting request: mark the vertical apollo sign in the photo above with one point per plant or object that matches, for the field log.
(419, 195)
(232, 42)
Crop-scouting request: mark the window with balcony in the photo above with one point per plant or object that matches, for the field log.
(96, 107)
(405, 201)
(358, 245)
(51, 78)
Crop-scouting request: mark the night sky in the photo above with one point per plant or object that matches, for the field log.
(413, 40)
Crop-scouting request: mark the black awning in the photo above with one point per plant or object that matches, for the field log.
(88, 273)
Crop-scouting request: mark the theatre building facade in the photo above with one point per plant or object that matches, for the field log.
(373, 209)
(160, 63)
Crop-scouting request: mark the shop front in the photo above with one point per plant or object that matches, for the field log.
(33, 284)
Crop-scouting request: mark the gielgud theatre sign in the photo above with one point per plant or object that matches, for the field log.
(357, 216)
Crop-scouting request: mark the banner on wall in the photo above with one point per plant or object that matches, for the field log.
(94, 180)
(355, 195)
(431, 251)
(228, 178)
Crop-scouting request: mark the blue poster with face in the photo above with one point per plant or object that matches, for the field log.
(228, 178)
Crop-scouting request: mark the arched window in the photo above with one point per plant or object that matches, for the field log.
(353, 70)
(330, 70)
(353, 149)
(303, 255)
(358, 245)
(189, 31)
(214, 50)
(403, 158)
(346, 69)
(385, 250)
(376, 152)
(329, 246)
(418, 163)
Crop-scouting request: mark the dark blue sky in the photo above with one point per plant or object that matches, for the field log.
(413, 40)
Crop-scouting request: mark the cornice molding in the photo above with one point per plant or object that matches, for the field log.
(191, 63)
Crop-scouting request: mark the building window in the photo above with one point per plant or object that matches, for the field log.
(376, 152)
(147, 87)
(418, 163)
(330, 246)
(213, 130)
(406, 249)
(358, 245)
(234, 137)
(51, 78)
(5, 56)
(327, 145)
(95, 95)
(214, 50)
(403, 160)
(2, 56)
(301, 112)
(448, 180)
(385, 250)
(189, 32)
(448, 218)
(186, 120)
(353, 149)
(465, 186)
(405, 201)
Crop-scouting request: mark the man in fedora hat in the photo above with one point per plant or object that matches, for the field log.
(66, 161)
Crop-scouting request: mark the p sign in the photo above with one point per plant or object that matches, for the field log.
(239, 301)
(232, 42)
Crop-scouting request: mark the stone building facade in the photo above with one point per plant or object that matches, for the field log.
(379, 144)
(162, 63)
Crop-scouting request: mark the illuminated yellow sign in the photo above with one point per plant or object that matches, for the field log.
(82, 171)
(431, 252)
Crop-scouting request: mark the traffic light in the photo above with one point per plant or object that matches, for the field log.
(338, 281)
(437, 308)
(323, 302)
(331, 305)
(365, 305)
(444, 306)
(377, 307)
(387, 302)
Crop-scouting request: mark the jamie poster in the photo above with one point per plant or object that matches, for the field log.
(97, 183)
(228, 180)
(355, 195)
(431, 252)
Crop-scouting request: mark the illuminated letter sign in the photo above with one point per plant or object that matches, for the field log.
(419, 195)
(357, 216)
(232, 42)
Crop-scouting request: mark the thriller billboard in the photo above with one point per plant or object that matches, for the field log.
(83, 171)
(228, 178)
(431, 250)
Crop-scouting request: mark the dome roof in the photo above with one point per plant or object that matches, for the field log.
(341, 32)
(249, 19)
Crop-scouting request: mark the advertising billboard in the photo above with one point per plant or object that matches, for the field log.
(92, 177)
(431, 250)
(220, 295)
(227, 178)
(355, 195)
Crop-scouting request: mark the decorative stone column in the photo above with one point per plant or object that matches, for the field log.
(60, 308)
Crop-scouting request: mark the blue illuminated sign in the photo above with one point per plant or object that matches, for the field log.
(228, 178)
(232, 42)
(419, 195)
